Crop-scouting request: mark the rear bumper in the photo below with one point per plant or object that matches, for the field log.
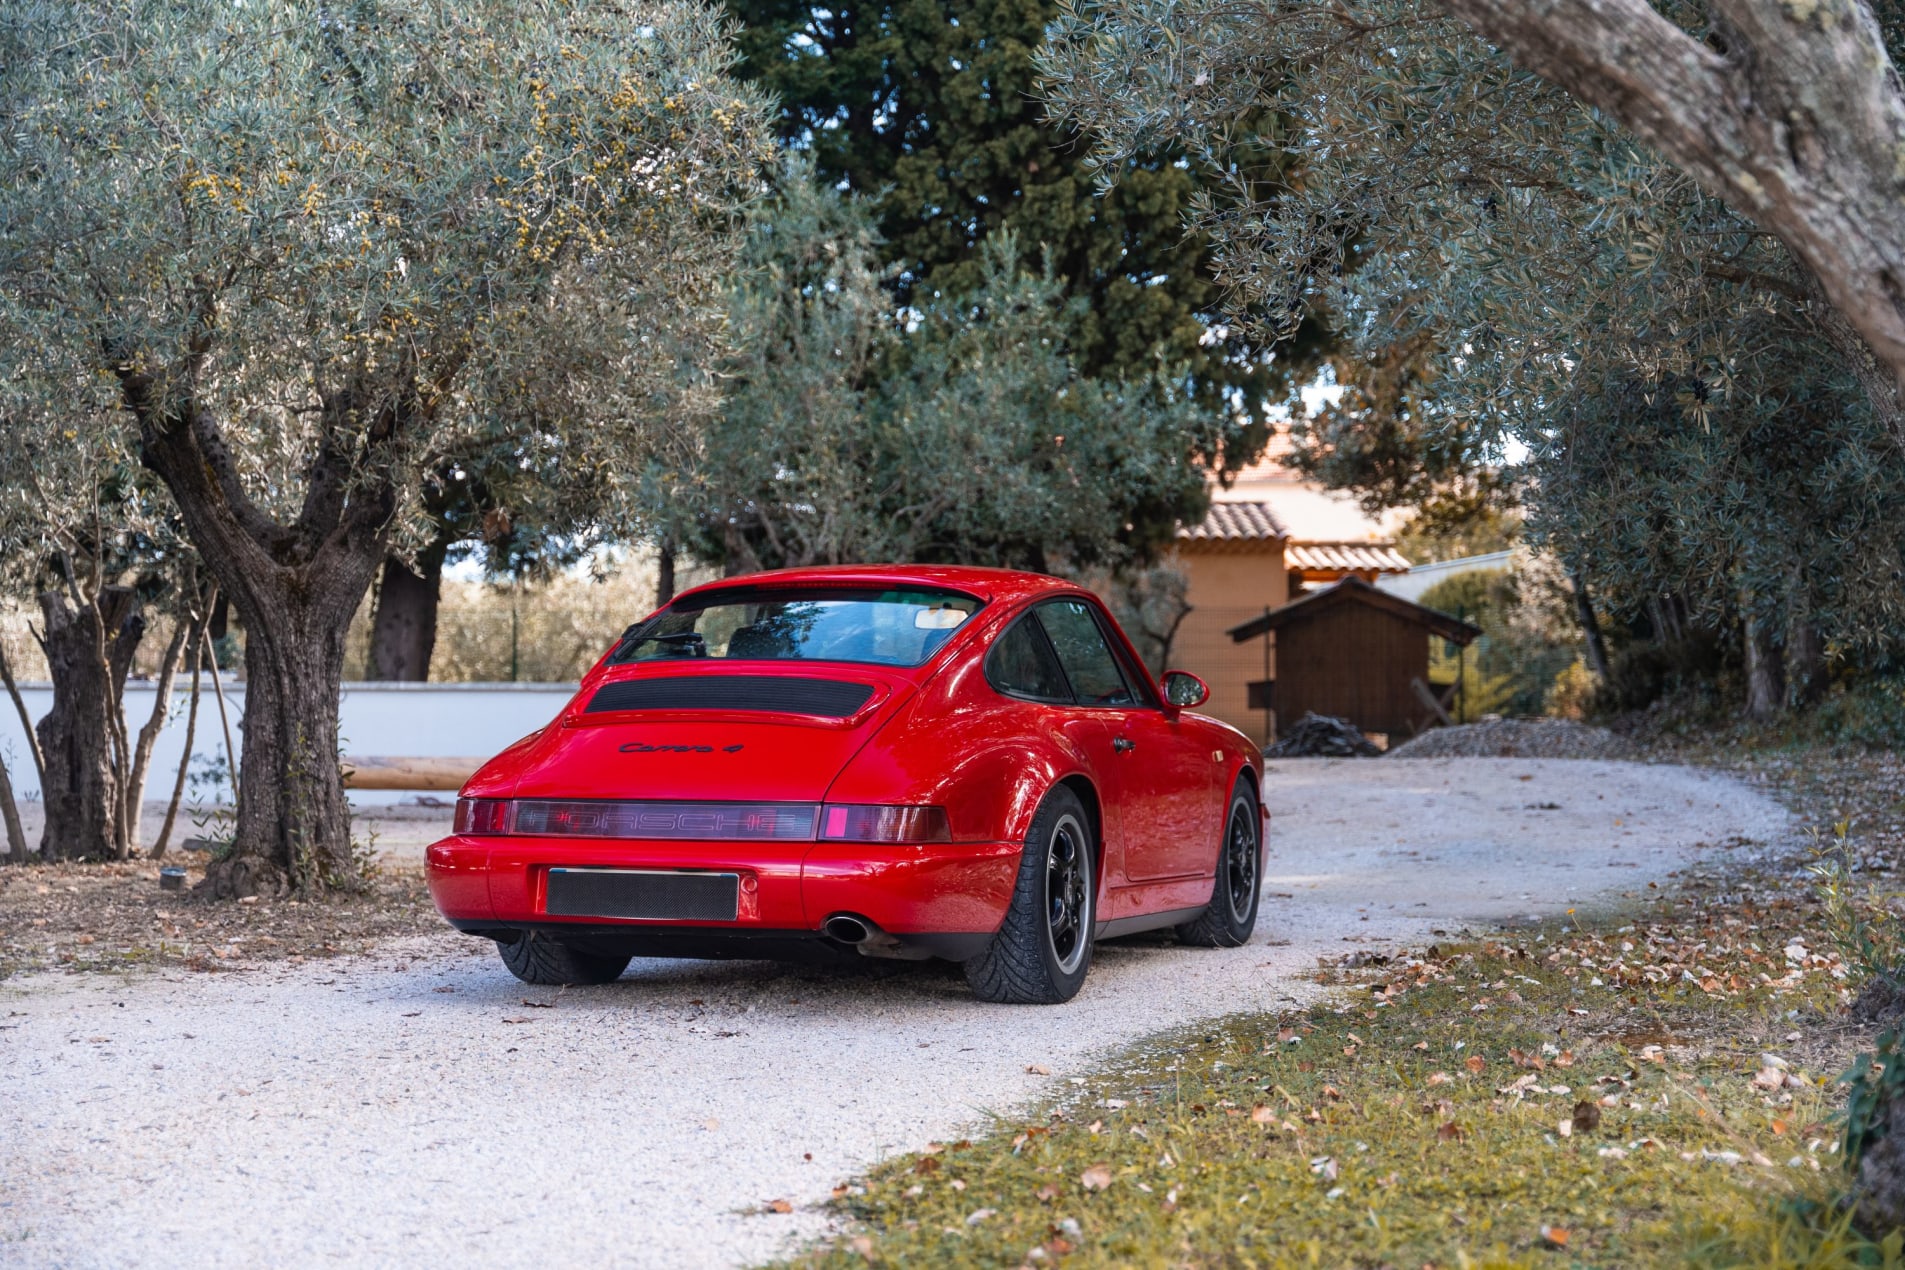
(942, 898)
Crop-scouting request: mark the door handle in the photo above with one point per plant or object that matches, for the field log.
(1121, 745)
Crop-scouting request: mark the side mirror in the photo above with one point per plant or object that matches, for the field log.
(1183, 690)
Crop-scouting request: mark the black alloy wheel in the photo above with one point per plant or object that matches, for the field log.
(1241, 857)
(1066, 901)
(1231, 915)
(1042, 950)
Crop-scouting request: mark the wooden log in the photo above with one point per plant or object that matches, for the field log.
(409, 773)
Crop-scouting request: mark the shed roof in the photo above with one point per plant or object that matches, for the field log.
(1321, 557)
(1353, 590)
(1237, 522)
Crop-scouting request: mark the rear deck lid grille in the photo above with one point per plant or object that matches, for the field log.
(775, 694)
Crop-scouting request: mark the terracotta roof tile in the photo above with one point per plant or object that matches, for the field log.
(1236, 522)
(1344, 557)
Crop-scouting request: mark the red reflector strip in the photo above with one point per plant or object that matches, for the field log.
(577, 818)
(885, 824)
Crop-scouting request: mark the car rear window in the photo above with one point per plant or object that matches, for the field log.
(898, 627)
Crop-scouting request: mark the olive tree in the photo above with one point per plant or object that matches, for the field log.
(1516, 274)
(305, 248)
(1789, 110)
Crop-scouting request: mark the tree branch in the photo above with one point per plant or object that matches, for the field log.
(1795, 120)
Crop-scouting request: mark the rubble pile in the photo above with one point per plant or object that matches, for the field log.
(1322, 736)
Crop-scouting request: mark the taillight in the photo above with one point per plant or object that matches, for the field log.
(482, 816)
(581, 818)
(787, 822)
(884, 824)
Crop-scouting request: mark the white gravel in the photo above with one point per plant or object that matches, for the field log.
(409, 1108)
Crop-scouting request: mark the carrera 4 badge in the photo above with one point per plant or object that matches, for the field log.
(640, 747)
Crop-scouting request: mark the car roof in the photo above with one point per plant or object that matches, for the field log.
(987, 584)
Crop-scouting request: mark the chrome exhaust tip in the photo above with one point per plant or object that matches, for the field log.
(847, 928)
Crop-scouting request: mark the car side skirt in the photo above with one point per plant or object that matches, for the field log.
(1143, 922)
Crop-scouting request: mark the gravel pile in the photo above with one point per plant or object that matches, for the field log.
(1322, 736)
(1516, 738)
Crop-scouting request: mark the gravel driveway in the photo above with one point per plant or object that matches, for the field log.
(411, 1108)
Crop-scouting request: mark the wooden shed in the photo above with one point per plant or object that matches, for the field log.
(1360, 654)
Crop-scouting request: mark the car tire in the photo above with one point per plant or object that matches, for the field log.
(1231, 915)
(1042, 950)
(535, 958)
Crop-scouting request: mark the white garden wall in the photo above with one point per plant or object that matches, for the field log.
(386, 720)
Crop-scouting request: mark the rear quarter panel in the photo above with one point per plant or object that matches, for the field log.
(986, 759)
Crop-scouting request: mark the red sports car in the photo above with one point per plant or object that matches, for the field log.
(908, 761)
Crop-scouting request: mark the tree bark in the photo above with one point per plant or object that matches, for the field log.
(403, 632)
(84, 782)
(195, 664)
(1765, 680)
(134, 792)
(296, 587)
(10, 809)
(664, 570)
(1795, 120)
(1595, 643)
(26, 720)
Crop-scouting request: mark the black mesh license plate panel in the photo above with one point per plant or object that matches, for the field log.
(648, 895)
(829, 698)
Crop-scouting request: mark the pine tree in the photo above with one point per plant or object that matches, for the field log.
(932, 108)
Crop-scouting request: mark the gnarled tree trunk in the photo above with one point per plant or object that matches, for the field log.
(296, 587)
(1765, 674)
(403, 632)
(83, 791)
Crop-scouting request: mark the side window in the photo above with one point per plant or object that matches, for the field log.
(1021, 665)
(1085, 655)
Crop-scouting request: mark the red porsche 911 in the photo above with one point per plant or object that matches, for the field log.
(908, 761)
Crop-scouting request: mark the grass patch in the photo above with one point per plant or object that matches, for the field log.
(1649, 1088)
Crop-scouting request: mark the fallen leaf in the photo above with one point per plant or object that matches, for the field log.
(1096, 1178)
(1047, 1192)
(1769, 1078)
(928, 1164)
(1261, 1114)
(1475, 1062)
(1565, 1128)
(978, 1215)
(710, 1124)
(780, 1206)
(1439, 1078)
(1038, 1069)
(1451, 1132)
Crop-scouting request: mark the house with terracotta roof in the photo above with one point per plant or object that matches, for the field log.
(1268, 538)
